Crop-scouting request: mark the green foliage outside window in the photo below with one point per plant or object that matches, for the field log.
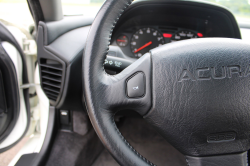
(240, 8)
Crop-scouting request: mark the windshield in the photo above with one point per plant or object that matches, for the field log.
(17, 11)
(240, 8)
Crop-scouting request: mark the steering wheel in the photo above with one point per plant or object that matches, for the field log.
(195, 93)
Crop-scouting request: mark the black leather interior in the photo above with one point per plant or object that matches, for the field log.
(64, 41)
(207, 100)
(68, 45)
(57, 28)
(110, 92)
(98, 85)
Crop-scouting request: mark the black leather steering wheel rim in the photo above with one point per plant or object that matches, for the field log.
(102, 120)
(99, 88)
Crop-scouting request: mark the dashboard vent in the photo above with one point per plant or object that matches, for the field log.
(51, 76)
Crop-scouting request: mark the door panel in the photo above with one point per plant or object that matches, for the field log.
(14, 101)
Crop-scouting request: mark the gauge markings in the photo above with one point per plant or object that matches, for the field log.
(122, 41)
(145, 39)
(184, 34)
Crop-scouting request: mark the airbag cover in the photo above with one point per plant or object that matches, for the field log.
(201, 95)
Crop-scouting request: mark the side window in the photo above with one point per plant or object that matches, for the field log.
(16, 12)
(81, 7)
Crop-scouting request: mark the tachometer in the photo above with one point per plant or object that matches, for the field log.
(144, 40)
(183, 34)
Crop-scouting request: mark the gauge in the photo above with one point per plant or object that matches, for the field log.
(144, 40)
(122, 41)
(183, 34)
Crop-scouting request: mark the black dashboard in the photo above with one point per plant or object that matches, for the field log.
(149, 24)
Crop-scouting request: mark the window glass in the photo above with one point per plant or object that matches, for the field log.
(81, 7)
(16, 12)
(240, 8)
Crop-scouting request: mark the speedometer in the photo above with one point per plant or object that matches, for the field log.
(144, 40)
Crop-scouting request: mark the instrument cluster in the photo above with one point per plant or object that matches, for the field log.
(139, 41)
(149, 24)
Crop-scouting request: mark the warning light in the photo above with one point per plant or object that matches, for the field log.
(200, 34)
(167, 35)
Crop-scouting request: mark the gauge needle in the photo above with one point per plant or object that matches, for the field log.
(139, 49)
(119, 40)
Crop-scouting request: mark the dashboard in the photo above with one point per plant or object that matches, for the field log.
(143, 26)
(149, 24)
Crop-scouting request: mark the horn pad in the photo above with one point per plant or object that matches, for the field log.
(201, 95)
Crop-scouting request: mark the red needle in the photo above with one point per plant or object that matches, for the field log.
(119, 40)
(139, 49)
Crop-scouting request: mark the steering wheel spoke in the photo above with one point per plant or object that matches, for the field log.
(130, 89)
